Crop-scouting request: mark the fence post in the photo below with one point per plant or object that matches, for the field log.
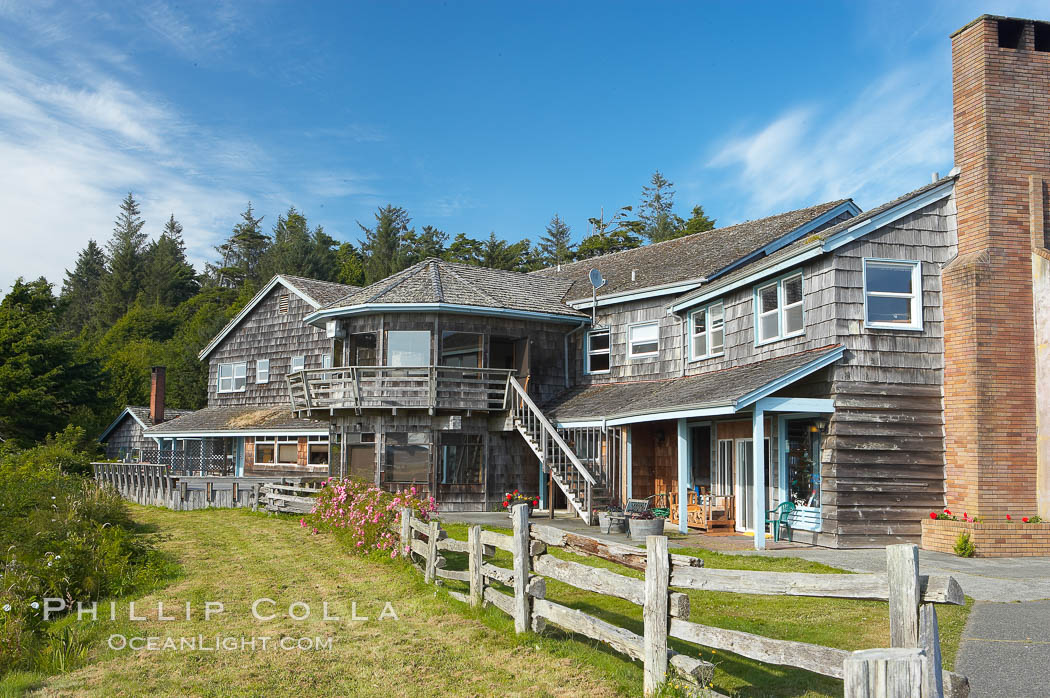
(522, 564)
(255, 496)
(406, 532)
(432, 549)
(884, 673)
(930, 642)
(655, 612)
(902, 571)
(208, 492)
(475, 557)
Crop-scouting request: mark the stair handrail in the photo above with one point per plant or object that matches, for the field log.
(552, 433)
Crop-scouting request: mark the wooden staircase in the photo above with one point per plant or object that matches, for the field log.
(581, 487)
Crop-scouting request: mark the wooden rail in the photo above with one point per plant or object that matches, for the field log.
(397, 387)
(665, 611)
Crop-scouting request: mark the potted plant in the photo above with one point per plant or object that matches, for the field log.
(611, 520)
(512, 499)
(644, 524)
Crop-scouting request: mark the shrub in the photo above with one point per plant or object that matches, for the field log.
(964, 547)
(364, 516)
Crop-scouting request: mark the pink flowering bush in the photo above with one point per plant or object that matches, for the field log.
(364, 516)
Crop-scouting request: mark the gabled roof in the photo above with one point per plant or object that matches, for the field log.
(721, 392)
(141, 415)
(694, 258)
(219, 421)
(820, 242)
(435, 284)
(314, 292)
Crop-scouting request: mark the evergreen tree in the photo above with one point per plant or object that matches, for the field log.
(298, 251)
(123, 280)
(656, 212)
(499, 254)
(698, 222)
(429, 242)
(351, 265)
(241, 253)
(556, 246)
(616, 234)
(43, 376)
(169, 278)
(82, 288)
(381, 247)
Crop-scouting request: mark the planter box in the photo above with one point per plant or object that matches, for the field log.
(991, 538)
(640, 528)
(609, 523)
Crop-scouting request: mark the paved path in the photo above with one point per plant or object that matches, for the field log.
(1005, 650)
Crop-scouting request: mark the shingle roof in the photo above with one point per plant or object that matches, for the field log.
(237, 419)
(142, 413)
(684, 259)
(437, 281)
(714, 389)
(323, 292)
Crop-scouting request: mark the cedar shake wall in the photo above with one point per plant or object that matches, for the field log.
(268, 334)
(1002, 136)
(127, 435)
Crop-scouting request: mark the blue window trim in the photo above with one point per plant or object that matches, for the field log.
(917, 305)
(587, 352)
(689, 331)
(650, 354)
(779, 282)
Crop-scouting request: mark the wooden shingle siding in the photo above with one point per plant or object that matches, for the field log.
(127, 436)
(268, 334)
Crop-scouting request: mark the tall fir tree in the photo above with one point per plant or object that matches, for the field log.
(428, 242)
(241, 253)
(169, 278)
(299, 251)
(656, 212)
(698, 222)
(351, 265)
(608, 235)
(555, 246)
(499, 254)
(123, 280)
(382, 246)
(82, 288)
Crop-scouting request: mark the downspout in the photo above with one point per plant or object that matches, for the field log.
(567, 335)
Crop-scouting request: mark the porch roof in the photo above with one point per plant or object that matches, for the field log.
(237, 421)
(722, 392)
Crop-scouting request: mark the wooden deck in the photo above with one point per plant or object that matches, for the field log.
(399, 387)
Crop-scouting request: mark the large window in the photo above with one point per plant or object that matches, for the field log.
(363, 349)
(264, 452)
(893, 294)
(778, 309)
(461, 349)
(707, 331)
(408, 348)
(262, 371)
(643, 340)
(317, 450)
(407, 457)
(597, 359)
(287, 450)
(461, 459)
(233, 378)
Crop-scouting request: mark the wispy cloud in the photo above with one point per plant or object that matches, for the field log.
(884, 141)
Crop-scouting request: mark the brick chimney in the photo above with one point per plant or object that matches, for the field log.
(156, 394)
(997, 291)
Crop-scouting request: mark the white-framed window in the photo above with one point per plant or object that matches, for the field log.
(326, 361)
(233, 378)
(778, 309)
(262, 371)
(893, 294)
(643, 340)
(597, 354)
(707, 332)
(298, 363)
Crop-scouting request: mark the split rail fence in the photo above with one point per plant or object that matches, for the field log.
(911, 668)
(156, 485)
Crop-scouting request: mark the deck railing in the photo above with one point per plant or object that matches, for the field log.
(393, 387)
(194, 462)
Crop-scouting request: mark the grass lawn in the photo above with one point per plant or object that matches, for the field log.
(438, 646)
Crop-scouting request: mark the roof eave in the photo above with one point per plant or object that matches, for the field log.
(369, 308)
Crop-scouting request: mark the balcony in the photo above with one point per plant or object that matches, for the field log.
(399, 387)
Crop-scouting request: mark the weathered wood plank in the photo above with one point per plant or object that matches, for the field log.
(453, 545)
(815, 658)
(458, 575)
(930, 642)
(459, 596)
(522, 602)
(902, 571)
(935, 588)
(497, 540)
(419, 548)
(655, 613)
(503, 602)
(602, 581)
(884, 673)
(475, 559)
(627, 555)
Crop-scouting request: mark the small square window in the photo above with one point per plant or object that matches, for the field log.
(597, 359)
(298, 363)
(643, 340)
(893, 294)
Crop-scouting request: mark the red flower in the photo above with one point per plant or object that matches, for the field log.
(947, 512)
(1024, 519)
(536, 503)
(964, 514)
(933, 515)
(515, 491)
(1008, 517)
(504, 504)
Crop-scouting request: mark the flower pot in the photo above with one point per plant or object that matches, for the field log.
(604, 520)
(640, 528)
(609, 523)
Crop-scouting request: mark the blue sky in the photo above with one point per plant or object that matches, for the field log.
(476, 117)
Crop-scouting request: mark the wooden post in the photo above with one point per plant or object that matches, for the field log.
(235, 494)
(930, 642)
(475, 558)
(655, 612)
(522, 563)
(902, 571)
(432, 550)
(208, 491)
(255, 496)
(406, 532)
(884, 673)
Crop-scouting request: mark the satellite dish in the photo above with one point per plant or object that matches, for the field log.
(596, 278)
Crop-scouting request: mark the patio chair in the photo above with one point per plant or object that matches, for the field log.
(779, 517)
